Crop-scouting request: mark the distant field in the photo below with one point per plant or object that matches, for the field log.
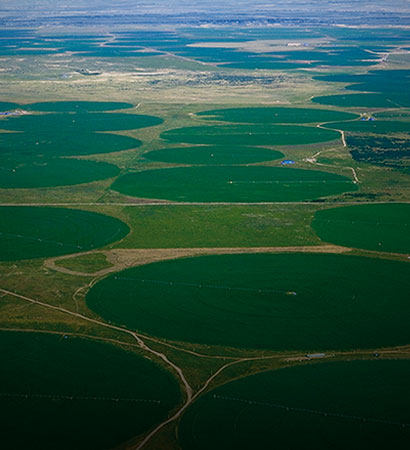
(381, 227)
(30, 156)
(275, 115)
(360, 404)
(59, 392)
(257, 134)
(45, 172)
(180, 226)
(276, 301)
(232, 184)
(80, 106)
(33, 232)
(356, 100)
(213, 155)
(376, 126)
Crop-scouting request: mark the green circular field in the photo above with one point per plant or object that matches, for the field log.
(258, 134)
(340, 405)
(33, 232)
(370, 100)
(6, 106)
(276, 301)
(45, 172)
(213, 155)
(381, 227)
(275, 115)
(69, 393)
(44, 124)
(232, 184)
(64, 143)
(72, 106)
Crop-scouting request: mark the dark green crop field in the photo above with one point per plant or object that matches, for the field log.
(276, 115)
(281, 302)
(257, 134)
(232, 184)
(79, 122)
(340, 405)
(65, 143)
(71, 393)
(213, 155)
(46, 172)
(381, 227)
(371, 100)
(376, 126)
(78, 106)
(32, 232)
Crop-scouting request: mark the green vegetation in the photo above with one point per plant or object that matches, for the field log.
(381, 227)
(80, 122)
(232, 184)
(181, 226)
(276, 301)
(376, 126)
(276, 115)
(61, 392)
(68, 143)
(213, 155)
(89, 263)
(34, 232)
(44, 172)
(356, 100)
(360, 404)
(78, 106)
(250, 135)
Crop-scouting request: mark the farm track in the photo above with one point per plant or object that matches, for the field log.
(124, 258)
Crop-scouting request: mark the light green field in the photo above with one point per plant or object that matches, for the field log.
(180, 226)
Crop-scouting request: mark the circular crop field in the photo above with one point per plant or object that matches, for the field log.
(276, 115)
(78, 123)
(214, 155)
(382, 227)
(372, 100)
(276, 301)
(45, 172)
(77, 106)
(32, 232)
(70, 393)
(340, 405)
(64, 143)
(232, 184)
(258, 134)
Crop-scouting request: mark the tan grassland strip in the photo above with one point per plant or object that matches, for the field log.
(124, 258)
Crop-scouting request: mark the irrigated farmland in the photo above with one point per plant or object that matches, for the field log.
(279, 302)
(59, 391)
(360, 404)
(381, 227)
(32, 232)
(233, 184)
